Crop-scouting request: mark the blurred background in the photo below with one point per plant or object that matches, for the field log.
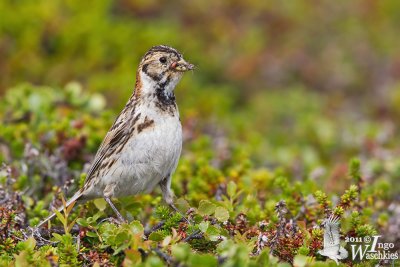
(302, 84)
(284, 95)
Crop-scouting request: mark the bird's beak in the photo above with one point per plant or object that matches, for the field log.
(182, 66)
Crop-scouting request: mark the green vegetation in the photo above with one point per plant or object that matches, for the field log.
(291, 115)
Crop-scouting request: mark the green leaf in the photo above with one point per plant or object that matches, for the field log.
(156, 236)
(82, 222)
(203, 226)
(212, 230)
(284, 264)
(60, 216)
(91, 234)
(122, 237)
(69, 228)
(231, 189)
(213, 233)
(69, 208)
(136, 227)
(181, 251)
(214, 237)
(121, 247)
(30, 243)
(264, 258)
(200, 260)
(58, 237)
(182, 205)
(300, 261)
(206, 208)
(100, 203)
(221, 214)
(97, 216)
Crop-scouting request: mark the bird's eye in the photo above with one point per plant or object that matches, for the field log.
(163, 59)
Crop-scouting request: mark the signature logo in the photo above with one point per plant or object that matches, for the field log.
(369, 248)
(332, 248)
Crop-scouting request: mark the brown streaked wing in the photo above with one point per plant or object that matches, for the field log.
(118, 135)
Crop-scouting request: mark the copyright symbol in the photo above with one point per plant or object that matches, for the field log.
(367, 239)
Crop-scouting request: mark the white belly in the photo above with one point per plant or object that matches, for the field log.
(151, 157)
(146, 159)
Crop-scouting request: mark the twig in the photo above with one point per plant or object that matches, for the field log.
(281, 210)
(34, 232)
(219, 192)
(143, 254)
(78, 243)
(168, 259)
(156, 227)
(221, 260)
(195, 235)
(47, 233)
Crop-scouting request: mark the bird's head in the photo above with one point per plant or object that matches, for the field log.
(161, 68)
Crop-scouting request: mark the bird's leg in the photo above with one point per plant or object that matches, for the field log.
(122, 219)
(165, 185)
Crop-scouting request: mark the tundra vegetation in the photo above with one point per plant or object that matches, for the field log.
(286, 121)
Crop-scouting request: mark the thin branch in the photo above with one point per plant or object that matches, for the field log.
(156, 227)
(47, 233)
(168, 259)
(195, 235)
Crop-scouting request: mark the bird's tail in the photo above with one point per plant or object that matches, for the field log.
(69, 203)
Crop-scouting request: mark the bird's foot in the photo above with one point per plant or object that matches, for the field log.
(121, 219)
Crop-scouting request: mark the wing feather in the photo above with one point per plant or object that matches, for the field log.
(116, 137)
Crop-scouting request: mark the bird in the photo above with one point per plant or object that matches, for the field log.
(332, 248)
(142, 148)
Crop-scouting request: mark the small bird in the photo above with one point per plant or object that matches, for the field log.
(142, 148)
(332, 248)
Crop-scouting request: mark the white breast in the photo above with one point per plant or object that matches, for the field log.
(149, 157)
